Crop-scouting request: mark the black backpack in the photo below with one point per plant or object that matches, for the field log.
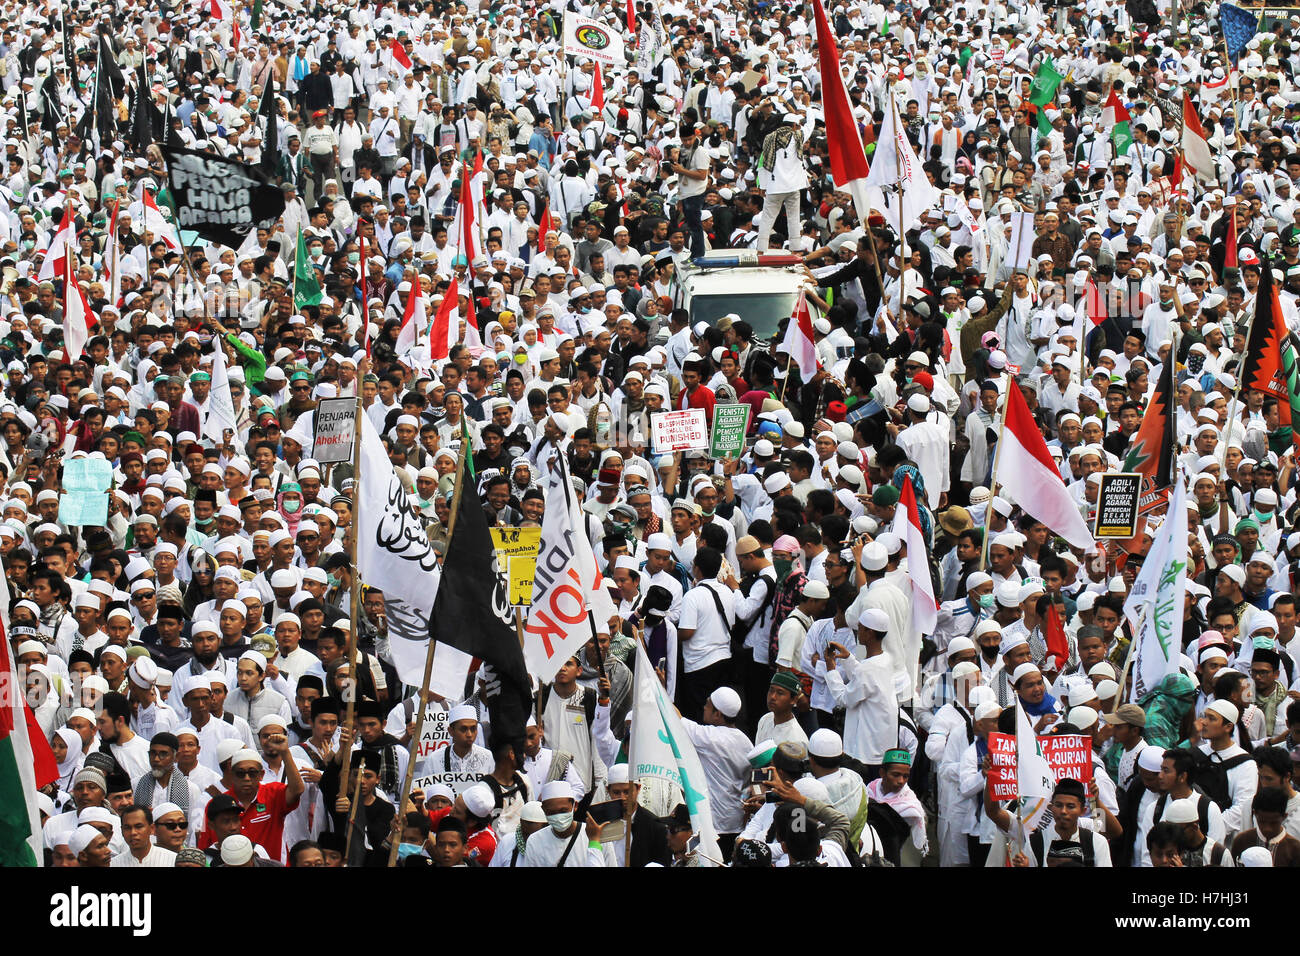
(1202, 811)
(1210, 776)
(1086, 838)
(892, 829)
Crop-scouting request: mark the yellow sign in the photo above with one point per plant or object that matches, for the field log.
(517, 559)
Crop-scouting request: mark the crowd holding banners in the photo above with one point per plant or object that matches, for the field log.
(320, 298)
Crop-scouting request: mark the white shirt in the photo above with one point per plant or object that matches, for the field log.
(156, 857)
(724, 755)
(711, 641)
(866, 690)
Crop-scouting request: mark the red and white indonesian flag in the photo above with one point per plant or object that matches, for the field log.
(56, 258)
(154, 222)
(398, 59)
(26, 765)
(221, 10)
(1196, 148)
(77, 317)
(849, 165)
(568, 584)
(1030, 479)
(112, 260)
(798, 342)
(415, 319)
(445, 331)
(907, 525)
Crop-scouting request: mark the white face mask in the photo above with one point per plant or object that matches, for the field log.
(560, 822)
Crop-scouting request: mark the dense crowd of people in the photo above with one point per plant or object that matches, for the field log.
(211, 692)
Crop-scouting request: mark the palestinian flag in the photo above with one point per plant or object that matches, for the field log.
(1270, 362)
(1115, 118)
(26, 765)
(1151, 451)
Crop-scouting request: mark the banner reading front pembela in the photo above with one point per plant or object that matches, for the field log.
(586, 37)
(659, 747)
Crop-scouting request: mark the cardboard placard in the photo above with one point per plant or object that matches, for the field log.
(517, 559)
(1068, 755)
(335, 425)
(685, 430)
(1117, 505)
(730, 425)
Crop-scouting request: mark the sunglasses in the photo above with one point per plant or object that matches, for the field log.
(248, 774)
(173, 825)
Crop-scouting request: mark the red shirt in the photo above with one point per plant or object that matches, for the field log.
(481, 843)
(702, 397)
(262, 820)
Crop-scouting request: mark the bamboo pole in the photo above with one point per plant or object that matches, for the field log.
(414, 743)
(352, 821)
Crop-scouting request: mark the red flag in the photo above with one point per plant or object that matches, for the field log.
(848, 160)
(445, 331)
(907, 525)
(1031, 479)
(1176, 179)
(414, 319)
(631, 17)
(545, 225)
(1195, 144)
(399, 56)
(597, 90)
(1230, 245)
(798, 343)
(77, 317)
(1094, 306)
(1058, 646)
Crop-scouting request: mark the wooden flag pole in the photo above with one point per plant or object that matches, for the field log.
(414, 744)
(355, 598)
(352, 820)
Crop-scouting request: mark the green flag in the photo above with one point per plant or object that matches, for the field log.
(306, 287)
(1046, 81)
(255, 20)
(964, 57)
(884, 27)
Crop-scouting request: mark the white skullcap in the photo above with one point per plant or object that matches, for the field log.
(726, 701)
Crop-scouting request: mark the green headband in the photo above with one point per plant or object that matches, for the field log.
(897, 756)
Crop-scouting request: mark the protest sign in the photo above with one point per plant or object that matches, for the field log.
(591, 38)
(435, 732)
(458, 780)
(685, 430)
(516, 550)
(1117, 505)
(1002, 775)
(1068, 755)
(335, 424)
(727, 437)
(1020, 245)
(85, 491)
(221, 199)
(336, 429)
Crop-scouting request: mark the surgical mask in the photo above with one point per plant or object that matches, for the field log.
(1263, 517)
(707, 512)
(353, 259)
(560, 822)
(332, 581)
(408, 849)
(29, 245)
(315, 251)
(202, 522)
(986, 601)
(292, 506)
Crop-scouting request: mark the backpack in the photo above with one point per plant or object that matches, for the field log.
(892, 830)
(1202, 811)
(1086, 838)
(1211, 776)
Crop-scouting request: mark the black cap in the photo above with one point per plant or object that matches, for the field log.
(223, 803)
